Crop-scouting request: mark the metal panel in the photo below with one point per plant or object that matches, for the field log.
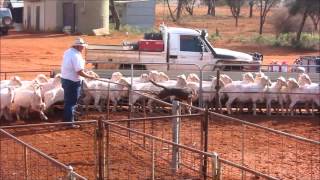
(69, 15)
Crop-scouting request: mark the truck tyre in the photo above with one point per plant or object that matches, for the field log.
(4, 31)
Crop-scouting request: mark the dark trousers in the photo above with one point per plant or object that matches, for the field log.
(71, 95)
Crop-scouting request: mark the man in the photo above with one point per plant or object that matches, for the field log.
(71, 70)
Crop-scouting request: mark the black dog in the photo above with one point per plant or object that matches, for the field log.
(181, 94)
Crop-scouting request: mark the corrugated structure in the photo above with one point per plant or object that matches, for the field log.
(55, 15)
(139, 13)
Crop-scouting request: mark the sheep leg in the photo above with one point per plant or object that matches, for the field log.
(291, 107)
(115, 104)
(96, 103)
(150, 101)
(1, 113)
(7, 114)
(228, 104)
(268, 104)
(254, 108)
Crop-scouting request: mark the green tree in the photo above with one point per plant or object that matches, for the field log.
(235, 7)
(264, 7)
(306, 8)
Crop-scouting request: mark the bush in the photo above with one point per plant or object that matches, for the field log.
(283, 22)
(308, 41)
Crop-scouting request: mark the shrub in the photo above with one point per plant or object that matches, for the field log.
(283, 22)
(308, 41)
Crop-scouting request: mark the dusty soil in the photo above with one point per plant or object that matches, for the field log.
(25, 51)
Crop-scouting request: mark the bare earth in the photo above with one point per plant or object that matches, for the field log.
(21, 51)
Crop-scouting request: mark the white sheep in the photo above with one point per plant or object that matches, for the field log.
(6, 99)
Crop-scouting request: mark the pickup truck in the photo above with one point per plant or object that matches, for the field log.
(174, 49)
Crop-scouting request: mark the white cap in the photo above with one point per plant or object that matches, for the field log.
(79, 42)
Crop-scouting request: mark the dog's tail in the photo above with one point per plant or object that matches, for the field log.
(154, 83)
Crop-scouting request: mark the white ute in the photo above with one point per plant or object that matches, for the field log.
(180, 46)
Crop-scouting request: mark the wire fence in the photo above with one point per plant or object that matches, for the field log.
(19, 160)
(144, 156)
(75, 147)
(25, 74)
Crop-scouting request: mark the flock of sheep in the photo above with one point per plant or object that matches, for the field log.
(20, 97)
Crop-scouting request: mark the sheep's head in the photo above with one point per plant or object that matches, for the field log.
(193, 78)
(153, 75)
(163, 77)
(292, 83)
(144, 77)
(281, 81)
(226, 79)
(304, 79)
(181, 80)
(15, 81)
(42, 78)
(116, 76)
(248, 77)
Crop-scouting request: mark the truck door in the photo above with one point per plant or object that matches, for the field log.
(190, 51)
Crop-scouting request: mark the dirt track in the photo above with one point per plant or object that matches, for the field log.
(23, 51)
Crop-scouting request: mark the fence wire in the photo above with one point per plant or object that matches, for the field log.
(19, 160)
(75, 147)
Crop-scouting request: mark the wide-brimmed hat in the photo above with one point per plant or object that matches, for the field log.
(79, 42)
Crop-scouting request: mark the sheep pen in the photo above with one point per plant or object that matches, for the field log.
(165, 143)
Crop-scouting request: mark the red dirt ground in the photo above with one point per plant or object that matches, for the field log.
(25, 51)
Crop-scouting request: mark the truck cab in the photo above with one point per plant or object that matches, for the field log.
(189, 46)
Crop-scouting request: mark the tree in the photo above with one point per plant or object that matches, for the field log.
(315, 17)
(251, 3)
(265, 6)
(235, 7)
(189, 5)
(178, 10)
(211, 7)
(306, 8)
(115, 15)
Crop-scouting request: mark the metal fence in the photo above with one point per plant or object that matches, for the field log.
(144, 156)
(19, 160)
(75, 147)
(25, 74)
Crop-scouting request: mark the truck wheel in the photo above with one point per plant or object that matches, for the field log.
(4, 31)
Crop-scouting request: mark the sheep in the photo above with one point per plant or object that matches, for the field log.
(14, 81)
(53, 96)
(30, 100)
(115, 91)
(193, 78)
(273, 93)
(245, 92)
(6, 99)
(52, 84)
(41, 78)
(304, 94)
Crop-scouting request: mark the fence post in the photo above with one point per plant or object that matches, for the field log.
(100, 135)
(107, 150)
(216, 168)
(200, 89)
(153, 161)
(204, 134)
(25, 152)
(108, 102)
(176, 110)
(218, 105)
(70, 173)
